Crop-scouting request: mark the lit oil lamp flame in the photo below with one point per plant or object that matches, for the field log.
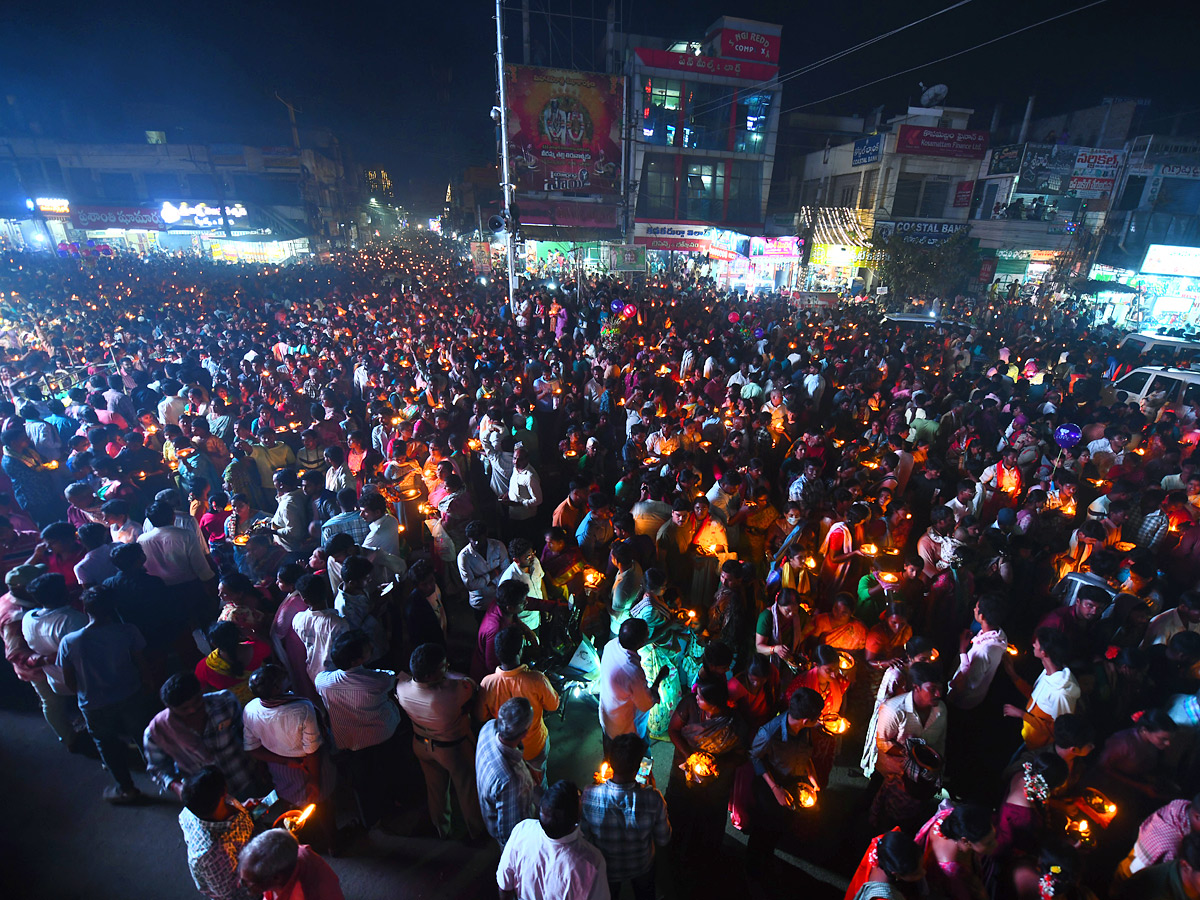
(806, 797)
(889, 577)
(591, 578)
(845, 661)
(474, 444)
(810, 562)
(870, 550)
(700, 765)
(835, 725)
(1012, 650)
(603, 774)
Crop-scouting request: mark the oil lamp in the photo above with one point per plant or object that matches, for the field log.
(834, 724)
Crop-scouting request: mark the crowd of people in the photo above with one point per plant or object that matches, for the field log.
(262, 528)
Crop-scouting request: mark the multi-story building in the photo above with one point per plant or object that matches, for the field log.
(379, 185)
(704, 120)
(230, 200)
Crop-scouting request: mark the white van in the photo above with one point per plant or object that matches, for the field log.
(1161, 349)
(1174, 385)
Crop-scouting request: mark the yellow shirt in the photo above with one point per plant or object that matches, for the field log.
(501, 686)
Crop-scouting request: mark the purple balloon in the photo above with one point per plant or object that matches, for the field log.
(758, 333)
(617, 306)
(1067, 435)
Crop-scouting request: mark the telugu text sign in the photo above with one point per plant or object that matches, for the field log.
(951, 142)
(135, 217)
(866, 150)
(707, 65)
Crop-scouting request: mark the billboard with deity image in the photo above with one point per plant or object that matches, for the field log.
(564, 130)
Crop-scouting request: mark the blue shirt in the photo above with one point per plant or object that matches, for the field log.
(101, 655)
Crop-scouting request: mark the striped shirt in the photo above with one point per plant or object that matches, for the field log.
(507, 794)
(361, 710)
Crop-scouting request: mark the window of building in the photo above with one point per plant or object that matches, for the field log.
(704, 191)
(908, 195)
(660, 110)
(933, 198)
(750, 120)
(866, 198)
(161, 185)
(745, 192)
(656, 195)
(706, 116)
(118, 186)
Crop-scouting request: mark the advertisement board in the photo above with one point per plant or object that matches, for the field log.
(919, 232)
(135, 217)
(774, 248)
(564, 130)
(956, 143)
(962, 193)
(686, 238)
(481, 256)
(1165, 259)
(866, 150)
(1006, 160)
(626, 258)
(707, 65)
(739, 43)
(1046, 169)
(1095, 172)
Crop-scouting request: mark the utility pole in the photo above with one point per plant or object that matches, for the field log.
(505, 171)
(525, 29)
(292, 119)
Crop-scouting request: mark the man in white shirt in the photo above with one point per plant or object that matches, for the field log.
(919, 713)
(524, 488)
(481, 563)
(1109, 450)
(625, 697)
(526, 568)
(547, 858)
(1184, 617)
(382, 542)
(173, 554)
(979, 655)
(283, 731)
(290, 522)
(665, 441)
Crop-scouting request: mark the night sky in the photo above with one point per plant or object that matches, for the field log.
(408, 85)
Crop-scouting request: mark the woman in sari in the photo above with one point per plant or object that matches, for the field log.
(891, 869)
(708, 545)
(663, 648)
(824, 676)
(954, 842)
(757, 696)
(241, 605)
(838, 628)
(1021, 816)
(840, 550)
(241, 522)
(232, 661)
(781, 630)
(703, 722)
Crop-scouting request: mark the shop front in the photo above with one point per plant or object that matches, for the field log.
(1168, 289)
(841, 267)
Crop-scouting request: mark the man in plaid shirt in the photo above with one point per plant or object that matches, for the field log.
(1160, 835)
(197, 730)
(626, 820)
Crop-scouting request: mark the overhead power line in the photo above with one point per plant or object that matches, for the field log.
(944, 58)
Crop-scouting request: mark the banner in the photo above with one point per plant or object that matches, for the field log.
(962, 193)
(707, 65)
(564, 130)
(136, 217)
(951, 142)
(1095, 172)
(866, 150)
(775, 248)
(1006, 160)
(626, 258)
(569, 213)
(481, 256)
(685, 238)
(1046, 169)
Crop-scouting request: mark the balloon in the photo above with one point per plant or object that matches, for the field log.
(758, 333)
(617, 306)
(1067, 435)
(734, 318)
(630, 311)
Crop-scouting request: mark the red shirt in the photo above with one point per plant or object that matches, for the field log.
(312, 879)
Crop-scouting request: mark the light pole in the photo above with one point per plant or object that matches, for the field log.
(505, 183)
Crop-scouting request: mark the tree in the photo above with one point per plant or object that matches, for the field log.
(909, 268)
